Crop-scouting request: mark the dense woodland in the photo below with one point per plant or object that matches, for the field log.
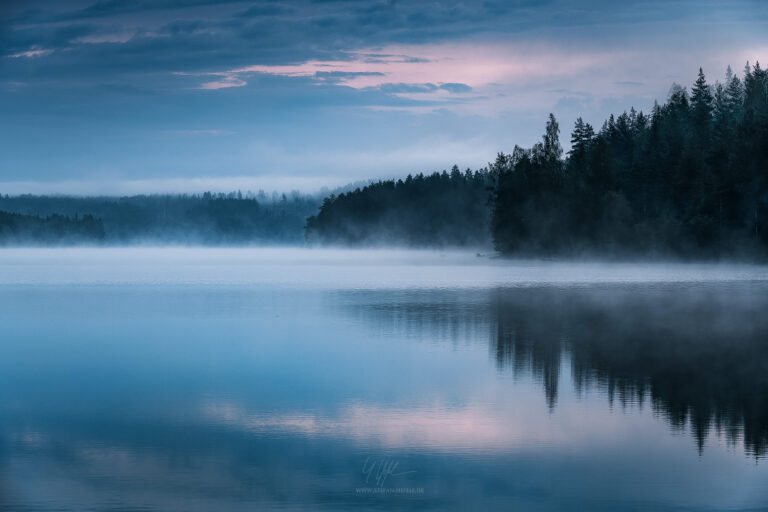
(17, 229)
(442, 209)
(207, 218)
(690, 179)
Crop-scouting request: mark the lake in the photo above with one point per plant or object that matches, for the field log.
(296, 379)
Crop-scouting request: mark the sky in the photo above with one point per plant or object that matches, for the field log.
(141, 96)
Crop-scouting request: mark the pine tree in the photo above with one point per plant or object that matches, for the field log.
(734, 97)
(701, 102)
(589, 135)
(577, 138)
(756, 90)
(720, 111)
(580, 140)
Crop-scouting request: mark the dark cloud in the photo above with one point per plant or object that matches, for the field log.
(265, 10)
(199, 35)
(406, 88)
(203, 35)
(455, 87)
(335, 77)
(103, 8)
(110, 8)
(388, 57)
(401, 88)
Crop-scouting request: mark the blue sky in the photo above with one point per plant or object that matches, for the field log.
(155, 96)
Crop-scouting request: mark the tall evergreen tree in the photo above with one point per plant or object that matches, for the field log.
(701, 102)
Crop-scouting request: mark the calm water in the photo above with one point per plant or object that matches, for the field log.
(197, 379)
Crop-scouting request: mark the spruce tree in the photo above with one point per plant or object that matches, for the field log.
(701, 103)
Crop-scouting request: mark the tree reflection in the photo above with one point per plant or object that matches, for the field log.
(696, 353)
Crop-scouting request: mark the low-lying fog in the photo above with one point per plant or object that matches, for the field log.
(339, 268)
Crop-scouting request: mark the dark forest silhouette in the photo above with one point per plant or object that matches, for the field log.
(696, 356)
(690, 178)
(442, 209)
(208, 218)
(18, 229)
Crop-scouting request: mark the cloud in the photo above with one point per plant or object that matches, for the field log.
(472, 426)
(337, 77)
(457, 67)
(456, 88)
(196, 36)
(401, 88)
(225, 82)
(39, 52)
(468, 77)
(376, 75)
(265, 10)
(200, 132)
(406, 88)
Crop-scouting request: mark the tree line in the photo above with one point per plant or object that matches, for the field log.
(689, 179)
(441, 209)
(18, 229)
(209, 218)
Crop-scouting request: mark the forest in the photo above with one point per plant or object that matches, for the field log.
(441, 209)
(209, 218)
(18, 229)
(687, 179)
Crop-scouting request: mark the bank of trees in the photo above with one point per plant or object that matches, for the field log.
(441, 209)
(209, 218)
(18, 229)
(689, 178)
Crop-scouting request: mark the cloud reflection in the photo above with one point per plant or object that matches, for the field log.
(473, 427)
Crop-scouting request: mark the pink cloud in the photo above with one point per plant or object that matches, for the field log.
(499, 76)
(476, 65)
(227, 80)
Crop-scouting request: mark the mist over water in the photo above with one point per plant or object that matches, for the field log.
(248, 379)
(339, 268)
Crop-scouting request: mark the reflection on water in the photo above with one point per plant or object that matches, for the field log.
(697, 353)
(189, 395)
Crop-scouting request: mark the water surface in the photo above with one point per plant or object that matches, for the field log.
(251, 379)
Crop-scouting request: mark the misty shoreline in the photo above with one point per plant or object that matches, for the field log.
(373, 255)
